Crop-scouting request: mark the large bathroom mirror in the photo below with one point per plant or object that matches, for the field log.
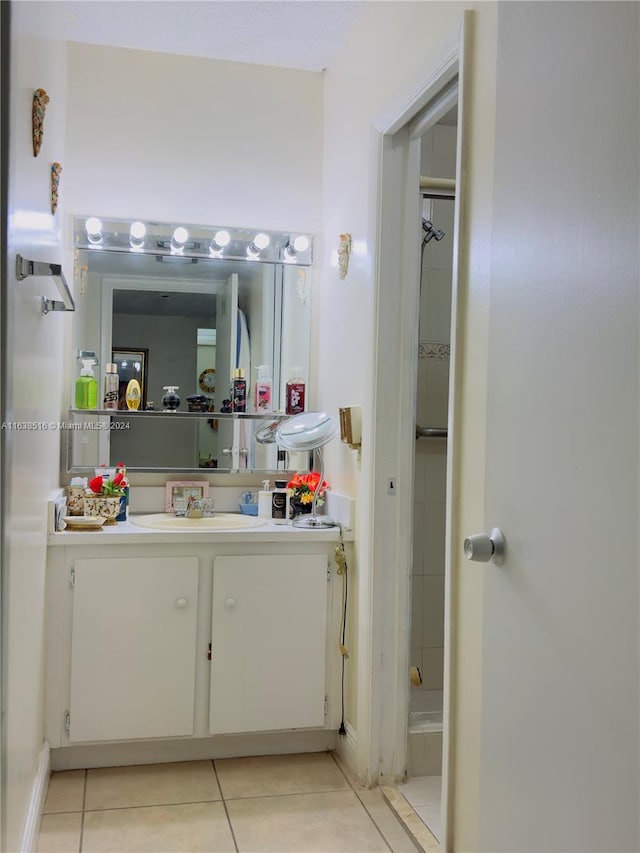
(194, 319)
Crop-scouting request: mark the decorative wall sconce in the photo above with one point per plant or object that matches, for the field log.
(40, 101)
(344, 250)
(56, 171)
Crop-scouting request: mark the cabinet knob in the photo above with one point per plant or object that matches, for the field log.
(229, 602)
(181, 603)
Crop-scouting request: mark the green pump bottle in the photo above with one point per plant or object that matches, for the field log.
(87, 386)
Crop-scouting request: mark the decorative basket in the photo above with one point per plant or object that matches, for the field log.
(107, 507)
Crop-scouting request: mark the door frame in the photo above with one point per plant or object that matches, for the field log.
(385, 718)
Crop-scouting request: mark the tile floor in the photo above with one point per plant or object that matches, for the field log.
(424, 794)
(298, 803)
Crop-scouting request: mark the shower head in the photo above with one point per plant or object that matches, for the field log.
(431, 231)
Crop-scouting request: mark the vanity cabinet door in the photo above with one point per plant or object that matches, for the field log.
(268, 643)
(133, 649)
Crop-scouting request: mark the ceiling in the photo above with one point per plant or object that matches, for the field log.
(303, 34)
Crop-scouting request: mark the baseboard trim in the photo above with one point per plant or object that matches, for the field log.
(36, 801)
(193, 749)
(347, 750)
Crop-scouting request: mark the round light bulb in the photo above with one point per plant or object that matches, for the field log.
(301, 243)
(137, 230)
(180, 235)
(222, 239)
(94, 229)
(261, 240)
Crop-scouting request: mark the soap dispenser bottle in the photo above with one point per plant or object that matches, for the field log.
(86, 396)
(264, 500)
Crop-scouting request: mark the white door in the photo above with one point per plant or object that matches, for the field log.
(133, 651)
(226, 355)
(558, 767)
(268, 642)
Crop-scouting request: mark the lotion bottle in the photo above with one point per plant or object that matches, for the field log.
(295, 392)
(280, 503)
(262, 390)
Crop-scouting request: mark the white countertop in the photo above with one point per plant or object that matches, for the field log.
(128, 533)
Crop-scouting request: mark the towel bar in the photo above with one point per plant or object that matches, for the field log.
(25, 267)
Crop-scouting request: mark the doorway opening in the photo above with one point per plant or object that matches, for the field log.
(425, 727)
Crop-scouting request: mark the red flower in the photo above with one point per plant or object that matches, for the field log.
(96, 484)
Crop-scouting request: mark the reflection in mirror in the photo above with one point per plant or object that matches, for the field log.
(195, 320)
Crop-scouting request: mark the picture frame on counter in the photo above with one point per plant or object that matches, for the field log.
(184, 489)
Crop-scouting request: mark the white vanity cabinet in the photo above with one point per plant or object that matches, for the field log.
(181, 645)
(268, 643)
(133, 648)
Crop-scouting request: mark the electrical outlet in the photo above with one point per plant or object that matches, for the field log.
(391, 486)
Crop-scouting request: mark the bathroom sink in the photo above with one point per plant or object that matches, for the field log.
(220, 521)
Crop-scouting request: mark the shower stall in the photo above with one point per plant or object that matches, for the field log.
(438, 160)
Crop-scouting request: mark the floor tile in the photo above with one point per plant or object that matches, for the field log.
(151, 785)
(66, 792)
(268, 775)
(60, 833)
(329, 822)
(187, 828)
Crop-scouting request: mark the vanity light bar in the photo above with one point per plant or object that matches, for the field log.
(201, 241)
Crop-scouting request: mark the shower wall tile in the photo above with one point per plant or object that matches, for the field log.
(426, 153)
(431, 464)
(432, 611)
(433, 392)
(432, 668)
(415, 659)
(438, 254)
(443, 150)
(418, 539)
(433, 522)
(435, 304)
(417, 606)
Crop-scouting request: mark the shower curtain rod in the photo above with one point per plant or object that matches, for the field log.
(437, 187)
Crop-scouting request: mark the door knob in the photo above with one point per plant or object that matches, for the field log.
(229, 602)
(482, 547)
(181, 603)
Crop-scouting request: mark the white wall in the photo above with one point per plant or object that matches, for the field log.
(392, 50)
(33, 350)
(176, 138)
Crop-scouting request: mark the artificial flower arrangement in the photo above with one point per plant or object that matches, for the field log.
(113, 488)
(302, 488)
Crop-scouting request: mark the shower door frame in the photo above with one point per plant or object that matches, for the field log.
(384, 720)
